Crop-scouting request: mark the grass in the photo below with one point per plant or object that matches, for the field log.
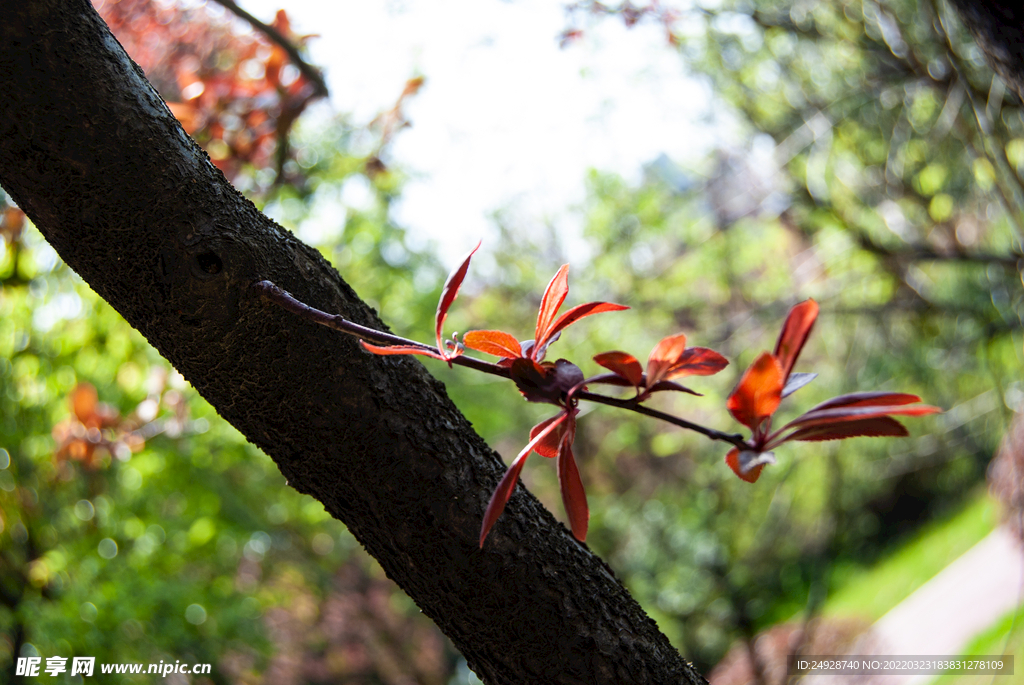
(870, 592)
(1006, 636)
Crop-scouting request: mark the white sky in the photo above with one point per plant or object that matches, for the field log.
(506, 117)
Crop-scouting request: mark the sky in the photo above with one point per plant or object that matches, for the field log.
(507, 119)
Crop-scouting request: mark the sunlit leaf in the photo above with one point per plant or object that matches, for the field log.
(622, 364)
(794, 334)
(554, 296)
(577, 313)
(759, 392)
(448, 294)
(498, 343)
(665, 354)
(698, 361)
(400, 349)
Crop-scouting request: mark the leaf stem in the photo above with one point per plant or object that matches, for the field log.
(286, 301)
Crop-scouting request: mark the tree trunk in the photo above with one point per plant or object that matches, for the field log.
(91, 153)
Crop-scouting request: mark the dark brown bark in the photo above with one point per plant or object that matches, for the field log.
(90, 152)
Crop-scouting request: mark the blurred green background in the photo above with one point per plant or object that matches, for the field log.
(879, 172)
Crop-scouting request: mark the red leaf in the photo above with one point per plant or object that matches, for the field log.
(759, 392)
(545, 382)
(840, 415)
(84, 401)
(448, 293)
(664, 356)
(554, 296)
(577, 313)
(733, 460)
(498, 343)
(548, 446)
(622, 364)
(503, 492)
(671, 385)
(868, 399)
(877, 427)
(400, 349)
(794, 334)
(574, 497)
(501, 495)
(698, 361)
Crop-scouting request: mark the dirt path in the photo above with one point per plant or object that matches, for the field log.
(945, 613)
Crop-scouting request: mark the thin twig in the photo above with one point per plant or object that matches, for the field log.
(286, 301)
(309, 71)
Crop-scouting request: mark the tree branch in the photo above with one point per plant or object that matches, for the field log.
(924, 253)
(91, 153)
(311, 73)
(339, 323)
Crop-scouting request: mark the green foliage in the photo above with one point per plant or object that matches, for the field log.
(893, 202)
(870, 592)
(891, 199)
(192, 547)
(1006, 636)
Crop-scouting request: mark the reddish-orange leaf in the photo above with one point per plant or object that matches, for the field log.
(624, 365)
(84, 400)
(759, 392)
(498, 343)
(733, 460)
(448, 294)
(868, 399)
(877, 427)
(698, 361)
(400, 349)
(577, 313)
(501, 495)
(574, 497)
(794, 334)
(554, 296)
(665, 354)
(840, 415)
(503, 492)
(671, 385)
(548, 445)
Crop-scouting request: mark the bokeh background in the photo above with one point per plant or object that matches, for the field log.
(856, 152)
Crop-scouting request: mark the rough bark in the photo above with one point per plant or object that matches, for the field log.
(90, 152)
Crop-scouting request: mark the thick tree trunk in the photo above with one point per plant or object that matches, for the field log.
(89, 150)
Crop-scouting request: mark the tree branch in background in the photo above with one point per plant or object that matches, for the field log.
(925, 253)
(133, 205)
(309, 71)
